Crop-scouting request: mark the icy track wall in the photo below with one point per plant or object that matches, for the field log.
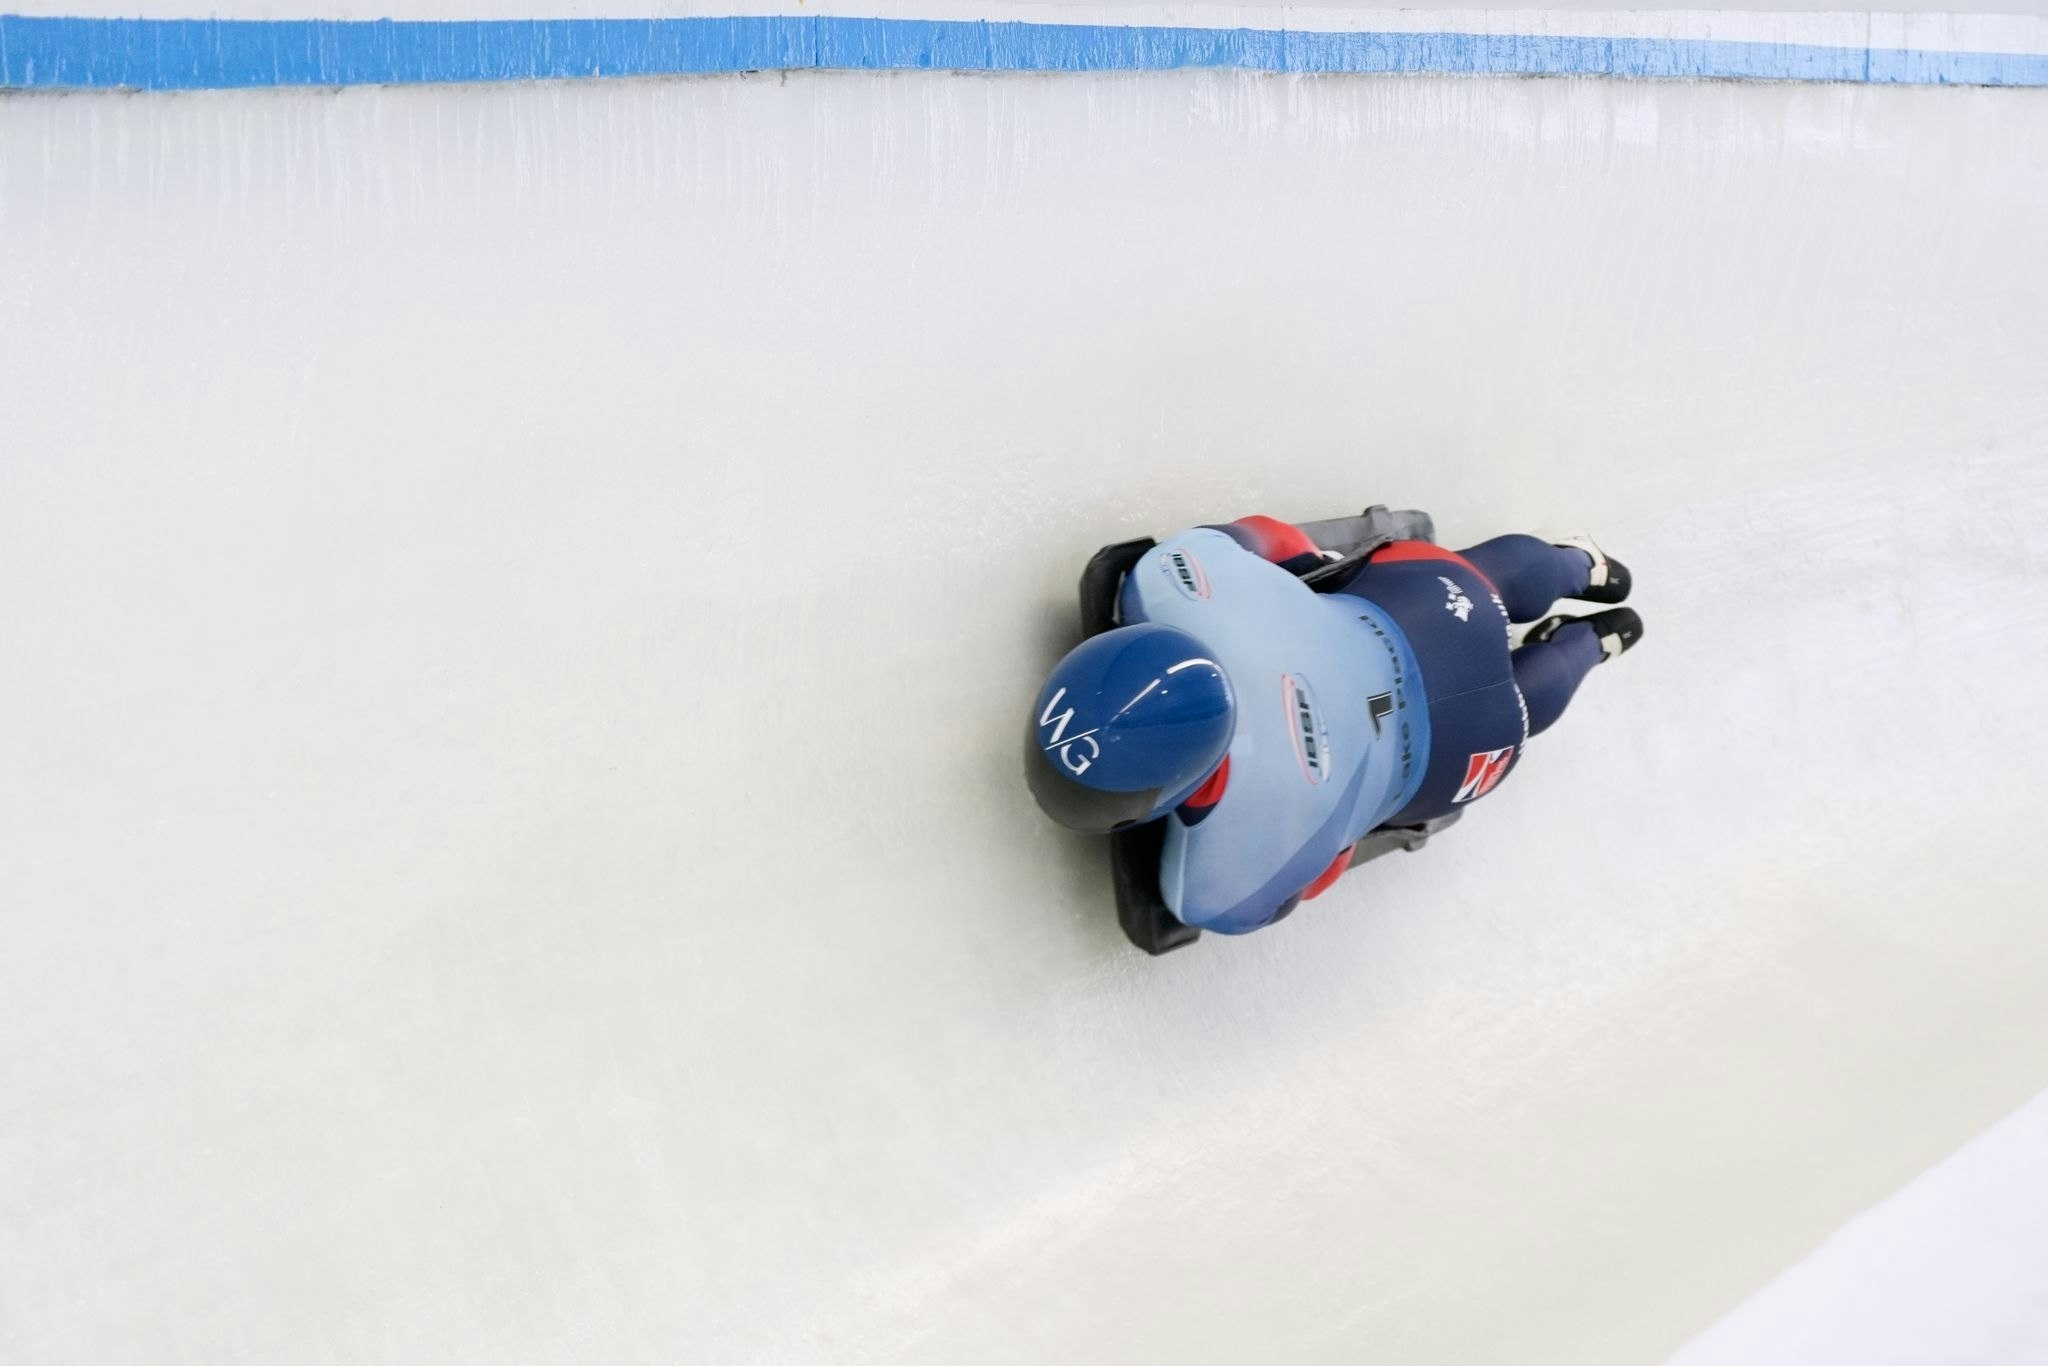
(516, 605)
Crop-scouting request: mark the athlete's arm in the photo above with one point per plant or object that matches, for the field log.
(1284, 543)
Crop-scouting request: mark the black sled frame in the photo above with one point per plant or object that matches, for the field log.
(1134, 853)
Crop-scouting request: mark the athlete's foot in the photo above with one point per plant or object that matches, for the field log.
(1618, 628)
(1609, 580)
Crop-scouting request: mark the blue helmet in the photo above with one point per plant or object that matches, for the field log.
(1130, 722)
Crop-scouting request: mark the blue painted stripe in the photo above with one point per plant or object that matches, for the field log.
(196, 54)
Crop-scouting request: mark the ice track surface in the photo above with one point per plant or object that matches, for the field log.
(516, 610)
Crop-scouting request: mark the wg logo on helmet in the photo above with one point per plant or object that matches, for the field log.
(1305, 725)
(1076, 752)
(1187, 574)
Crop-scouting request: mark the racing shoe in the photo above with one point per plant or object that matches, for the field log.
(1609, 581)
(1619, 628)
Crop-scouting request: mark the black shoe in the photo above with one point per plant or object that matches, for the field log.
(1610, 579)
(1619, 629)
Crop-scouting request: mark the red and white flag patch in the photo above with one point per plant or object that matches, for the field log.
(1483, 772)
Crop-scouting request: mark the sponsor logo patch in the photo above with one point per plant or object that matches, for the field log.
(1407, 731)
(1187, 574)
(1457, 604)
(1305, 724)
(1483, 773)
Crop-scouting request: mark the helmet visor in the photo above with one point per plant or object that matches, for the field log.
(1076, 805)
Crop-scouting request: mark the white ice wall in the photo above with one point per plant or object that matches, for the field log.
(514, 610)
(1947, 1270)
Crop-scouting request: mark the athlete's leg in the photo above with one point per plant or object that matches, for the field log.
(1549, 673)
(1559, 652)
(1531, 574)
